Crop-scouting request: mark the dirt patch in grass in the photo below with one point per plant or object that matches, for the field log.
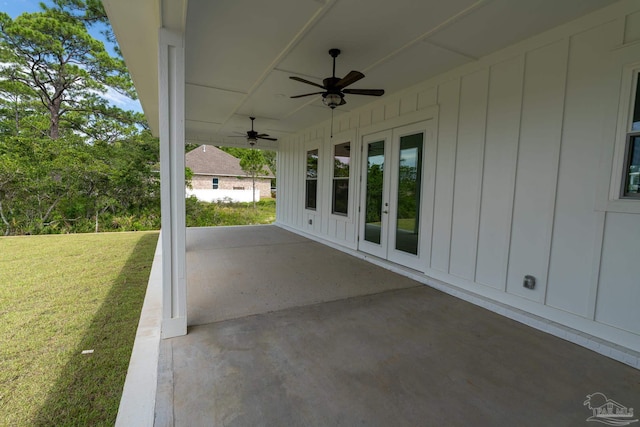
(61, 295)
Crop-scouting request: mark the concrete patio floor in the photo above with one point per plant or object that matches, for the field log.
(288, 332)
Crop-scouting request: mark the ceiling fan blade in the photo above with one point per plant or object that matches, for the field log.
(342, 101)
(349, 79)
(306, 94)
(267, 138)
(300, 79)
(236, 136)
(370, 92)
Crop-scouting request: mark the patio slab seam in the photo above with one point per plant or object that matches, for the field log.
(308, 305)
(257, 245)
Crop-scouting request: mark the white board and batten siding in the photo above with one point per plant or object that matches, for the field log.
(526, 151)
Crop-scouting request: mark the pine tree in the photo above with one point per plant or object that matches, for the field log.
(54, 57)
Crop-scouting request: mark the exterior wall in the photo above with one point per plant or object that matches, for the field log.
(205, 182)
(526, 139)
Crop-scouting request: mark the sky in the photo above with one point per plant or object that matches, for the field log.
(13, 8)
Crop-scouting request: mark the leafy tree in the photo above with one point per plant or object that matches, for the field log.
(39, 169)
(122, 176)
(269, 155)
(236, 152)
(52, 54)
(253, 162)
(60, 183)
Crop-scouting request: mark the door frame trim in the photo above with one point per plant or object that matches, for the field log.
(392, 135)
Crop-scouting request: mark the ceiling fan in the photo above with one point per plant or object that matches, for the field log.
(253, 136)
(334, 88)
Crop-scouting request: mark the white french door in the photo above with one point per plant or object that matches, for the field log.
(396, 169)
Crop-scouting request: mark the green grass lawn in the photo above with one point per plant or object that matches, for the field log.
(60, 295)
(203, 214)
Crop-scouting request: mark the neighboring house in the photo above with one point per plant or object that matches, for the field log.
(218, 176)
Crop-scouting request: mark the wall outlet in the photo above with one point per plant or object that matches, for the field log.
(529, 282)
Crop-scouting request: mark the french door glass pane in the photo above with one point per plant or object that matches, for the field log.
(373, 206)
(409, 185)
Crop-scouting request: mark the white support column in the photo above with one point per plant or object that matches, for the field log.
(172, 188)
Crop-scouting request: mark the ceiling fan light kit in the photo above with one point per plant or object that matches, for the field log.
(331, 100)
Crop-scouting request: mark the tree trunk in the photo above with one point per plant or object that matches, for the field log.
(50, 209)
(54, 112)
(54, 124)
(253, 179)
(4, 219)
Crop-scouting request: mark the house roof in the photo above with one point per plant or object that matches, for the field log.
(209, 160)
(240, 54)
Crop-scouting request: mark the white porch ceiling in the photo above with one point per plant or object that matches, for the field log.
(240, 53)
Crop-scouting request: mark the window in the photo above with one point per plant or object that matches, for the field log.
(215, 183)
(340, 200)
(631, 172)
(311, 189)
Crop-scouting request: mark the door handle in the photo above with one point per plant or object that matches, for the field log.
(385, 212)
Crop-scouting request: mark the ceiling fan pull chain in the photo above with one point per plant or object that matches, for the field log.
(331, 137)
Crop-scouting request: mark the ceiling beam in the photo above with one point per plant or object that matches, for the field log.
(315, 18)
(422, 37)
